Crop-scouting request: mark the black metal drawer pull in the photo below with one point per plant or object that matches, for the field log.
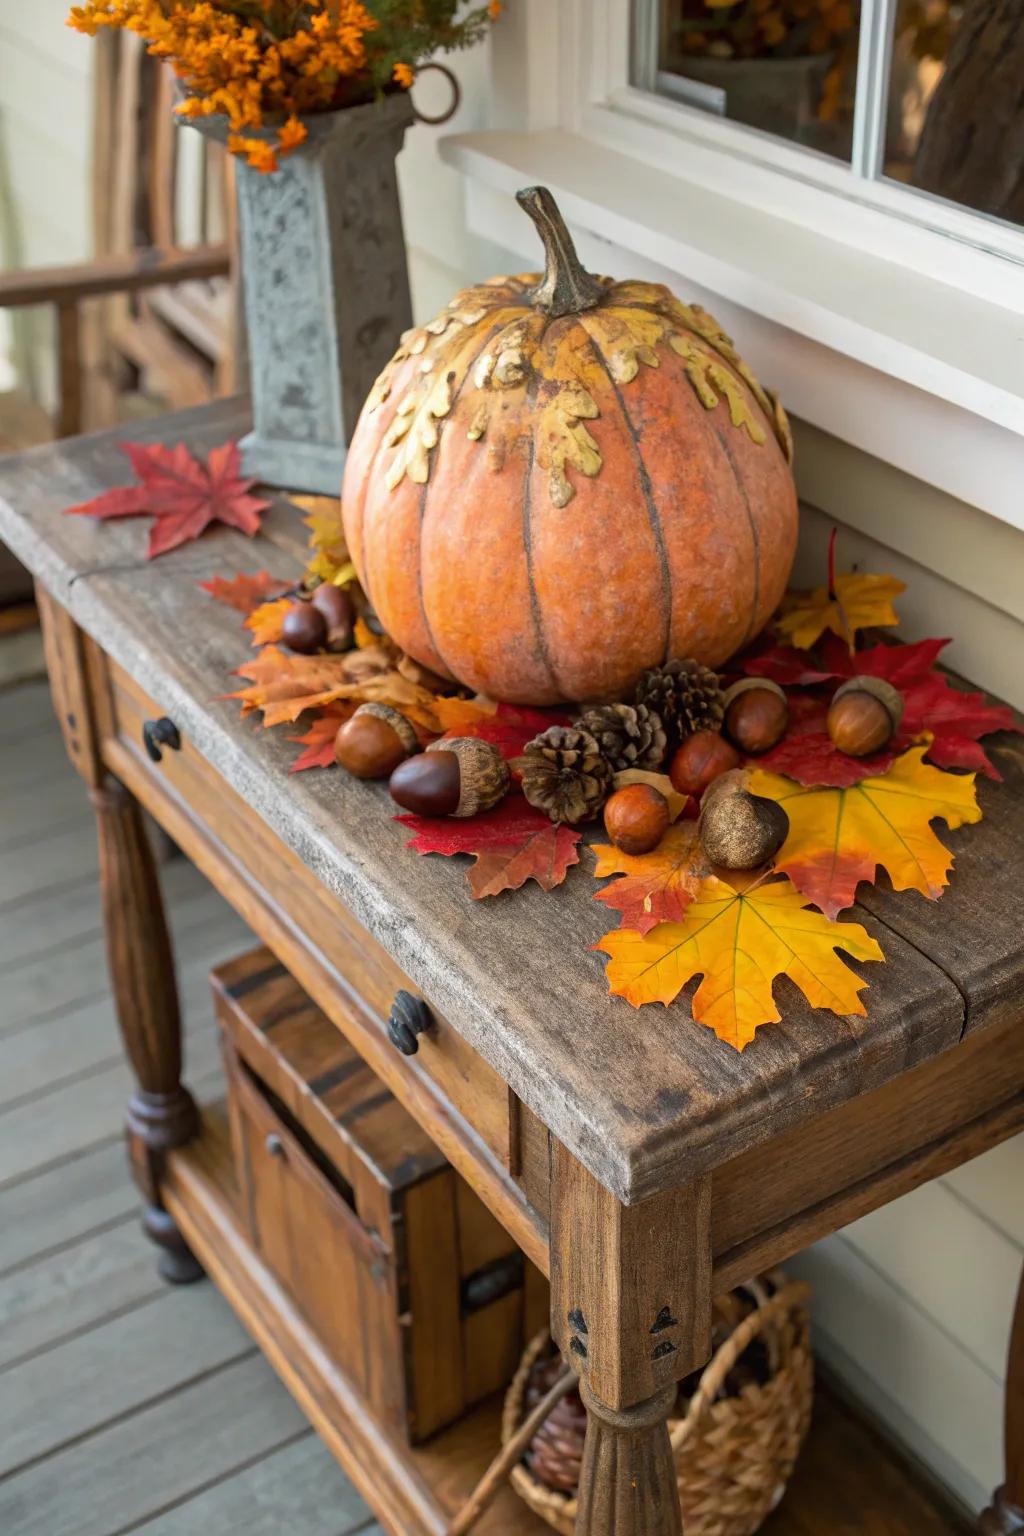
(274, 1145)
(157, 734)
(409, 1017)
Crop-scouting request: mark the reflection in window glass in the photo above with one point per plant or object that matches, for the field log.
(788, 67)
(955, 124)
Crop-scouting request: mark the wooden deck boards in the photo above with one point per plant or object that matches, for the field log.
(127, 1407)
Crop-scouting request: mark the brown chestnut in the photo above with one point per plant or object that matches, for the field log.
(304, 629)
(427, 785)
(864, 715)
(339, 612)
(700, 760)
(636, 818)
(756, 715)
(373, 743)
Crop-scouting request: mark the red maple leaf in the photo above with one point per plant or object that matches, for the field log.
(511, 727)
(319, 739)
(244, 592)
(183, 495)
(511, 845)
(931, 705)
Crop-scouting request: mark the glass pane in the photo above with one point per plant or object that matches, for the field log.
(955, 123)
(788, 67)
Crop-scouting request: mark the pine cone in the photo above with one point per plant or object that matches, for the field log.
(687, 696)
(556, 1450)
(628, 735)
(565, 774)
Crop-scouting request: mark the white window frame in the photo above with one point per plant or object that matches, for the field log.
(880, 215)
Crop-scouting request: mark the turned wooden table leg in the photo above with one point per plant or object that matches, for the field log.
(1005, 1517)
(631, 1312)
(161, 1112)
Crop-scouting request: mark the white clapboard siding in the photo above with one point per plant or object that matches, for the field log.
(909, 1371)
(993, 1186)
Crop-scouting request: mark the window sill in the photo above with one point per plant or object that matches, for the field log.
(900, 364)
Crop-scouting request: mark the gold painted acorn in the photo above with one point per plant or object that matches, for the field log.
(864, 715)
(457, 776)
(739, 830)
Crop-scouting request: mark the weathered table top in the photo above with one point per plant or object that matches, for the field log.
(644, 1098)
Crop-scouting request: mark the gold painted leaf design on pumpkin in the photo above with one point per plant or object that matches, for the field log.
(626, 338)
(490, 342)
(415, 429)
(567, 371)
(713, 381)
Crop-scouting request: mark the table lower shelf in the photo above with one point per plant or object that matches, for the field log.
(412, 1490)
(848, 1477)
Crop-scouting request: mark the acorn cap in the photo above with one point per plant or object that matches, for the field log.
(889, 697)
(402, 728)
(747, 685)
(484, 776)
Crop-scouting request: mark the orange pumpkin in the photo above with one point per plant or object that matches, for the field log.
(561, 481)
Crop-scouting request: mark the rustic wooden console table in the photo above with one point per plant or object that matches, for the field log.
(639, 1162)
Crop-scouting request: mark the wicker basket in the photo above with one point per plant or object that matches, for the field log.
(734, 1455)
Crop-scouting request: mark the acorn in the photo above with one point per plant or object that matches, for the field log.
(864, 715)
(756, 715)
(739, 830)
(702, 758)
(459, 776)
(339, 611)
(373, 743)
(304, 629)
(636, 818)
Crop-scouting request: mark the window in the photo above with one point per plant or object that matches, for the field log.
(919, 93)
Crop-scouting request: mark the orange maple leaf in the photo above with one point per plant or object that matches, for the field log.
(456, 714)
(283, 686)
(243, 592)
(838, 837)
(266, 622)
(659, 886)
(740, 941)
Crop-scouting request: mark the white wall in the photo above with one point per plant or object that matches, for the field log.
(913, 1304)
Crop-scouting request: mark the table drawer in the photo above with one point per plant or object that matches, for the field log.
(349, 974)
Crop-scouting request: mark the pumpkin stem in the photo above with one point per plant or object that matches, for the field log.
(566, 287)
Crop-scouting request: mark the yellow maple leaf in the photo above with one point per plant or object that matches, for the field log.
(266, 623)
(740, 941)
(330, 559)
(854, 602)
(838, 837)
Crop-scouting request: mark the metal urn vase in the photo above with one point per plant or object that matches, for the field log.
(326, 287)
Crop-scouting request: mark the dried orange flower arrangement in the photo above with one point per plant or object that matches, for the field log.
(266, 64)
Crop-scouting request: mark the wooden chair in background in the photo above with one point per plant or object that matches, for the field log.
(149, 324)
